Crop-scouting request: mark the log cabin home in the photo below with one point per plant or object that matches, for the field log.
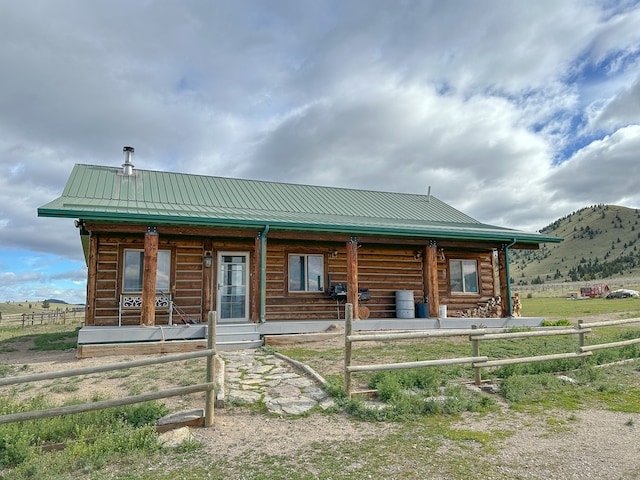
(165, 248)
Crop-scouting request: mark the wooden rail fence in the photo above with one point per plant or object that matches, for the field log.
(54, 316)
(208, 386)
(477, 361)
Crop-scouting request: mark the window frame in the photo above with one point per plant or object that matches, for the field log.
(462, 281)
(123, 265)
(306, 256)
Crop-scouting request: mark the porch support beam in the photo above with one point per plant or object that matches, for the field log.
(352, 275)
(503, 275)
(430, 273)
(92, 277)
(207, 279)
(258, 277)
(148, 313)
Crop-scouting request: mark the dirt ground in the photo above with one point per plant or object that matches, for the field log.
(593, 444)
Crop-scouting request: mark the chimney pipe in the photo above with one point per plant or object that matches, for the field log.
(127, 166)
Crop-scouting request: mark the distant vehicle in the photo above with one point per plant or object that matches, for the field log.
(598, 290)
(623, 293)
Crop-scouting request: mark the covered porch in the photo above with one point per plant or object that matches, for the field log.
(94, 341)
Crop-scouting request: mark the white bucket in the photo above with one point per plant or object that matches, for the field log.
(405, 308)
(443, 311)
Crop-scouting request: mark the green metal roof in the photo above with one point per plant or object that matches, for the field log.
(98, 193)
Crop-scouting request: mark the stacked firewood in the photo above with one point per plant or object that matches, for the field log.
(492, 308)
(516, 305)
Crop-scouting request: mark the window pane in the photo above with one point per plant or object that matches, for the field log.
(134, 266)
(315, 265)
(296, 273)
(455, 272)
(132, 276)
(306, 273)
(470, 276)
(163, 273)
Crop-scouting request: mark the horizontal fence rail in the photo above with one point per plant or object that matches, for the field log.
(537, 333)
(590, 348)
(36, 377)
(100, 405)
(378, 337)
(208, 386)
(476, 336)
(416, 364)
(538, 358)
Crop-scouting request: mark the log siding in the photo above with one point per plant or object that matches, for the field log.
(383, 268)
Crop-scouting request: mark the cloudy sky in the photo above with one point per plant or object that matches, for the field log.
(515, 112)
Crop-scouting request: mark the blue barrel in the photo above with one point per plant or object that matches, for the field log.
(422, 310)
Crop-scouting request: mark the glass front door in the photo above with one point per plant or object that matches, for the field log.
(233, 286)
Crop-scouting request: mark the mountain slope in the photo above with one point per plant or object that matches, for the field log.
(599, 242)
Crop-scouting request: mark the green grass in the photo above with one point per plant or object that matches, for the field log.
(92, 439)
(64, 340)
(47, 337)
(423, 404)
(574, 309)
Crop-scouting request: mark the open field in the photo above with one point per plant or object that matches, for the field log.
(535, 426)
(18, 308)
(563, 307)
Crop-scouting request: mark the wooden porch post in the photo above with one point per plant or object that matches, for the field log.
(431, 278)
(504, 281)
(148, 314)
(352, 275)
(92, 276)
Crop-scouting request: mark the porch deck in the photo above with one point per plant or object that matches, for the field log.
(133, 339)
(372, 324)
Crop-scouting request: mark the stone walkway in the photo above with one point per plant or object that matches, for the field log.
(253, 376)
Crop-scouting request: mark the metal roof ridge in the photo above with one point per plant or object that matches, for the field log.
(273, 182)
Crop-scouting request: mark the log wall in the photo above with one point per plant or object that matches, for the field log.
(186, 280)
(382, 268)
(463, 301)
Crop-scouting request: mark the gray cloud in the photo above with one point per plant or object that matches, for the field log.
(622, 110)
(614, 159)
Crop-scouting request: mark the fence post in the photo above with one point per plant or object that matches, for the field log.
(24, 318)
(477, 375)
(348, 327)
(583, 360)
(210, 394)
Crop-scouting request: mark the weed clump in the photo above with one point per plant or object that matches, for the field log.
(89, 440)
(410, 394)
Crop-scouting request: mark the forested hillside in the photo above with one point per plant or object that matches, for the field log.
(599, 242)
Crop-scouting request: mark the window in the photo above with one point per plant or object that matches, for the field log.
(464, 276)
(306, 273)
(133, 267)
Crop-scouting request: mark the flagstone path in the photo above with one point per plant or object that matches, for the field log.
(253, 376)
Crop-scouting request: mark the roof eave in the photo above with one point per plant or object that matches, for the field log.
(498, 236)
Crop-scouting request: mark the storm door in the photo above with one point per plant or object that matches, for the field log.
(233, 287)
